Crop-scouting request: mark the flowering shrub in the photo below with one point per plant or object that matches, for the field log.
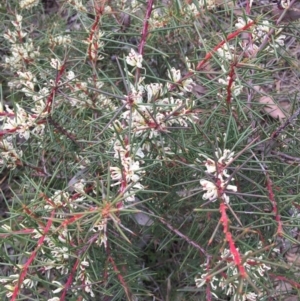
(141, 164)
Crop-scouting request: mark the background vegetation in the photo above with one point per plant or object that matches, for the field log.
(149, 150)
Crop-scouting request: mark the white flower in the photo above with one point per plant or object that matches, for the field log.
(56, 64)
(210, 166)
(174, 75)
(153, 91)
(211, 188)
(262, 268)
(251, 297)
(279, 41)
(241, 22)
(209, 4)
(80, 186)
(27, 4)
(134, 59)
(60, 287)
(60, 40)
(226, 52)
(188, 85)
(231, 187)
(29, 283)
(19, 18)
(70, 75)
(116, 174)
(226, 157)
(10, 36)
(200, 281)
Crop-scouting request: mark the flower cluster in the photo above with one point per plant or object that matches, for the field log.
(9, 155)
(12, 280)
(27, 4)
(101, 228)
(83, 279)
(63, 40)
(218, 169)
(175, 76)
(226, 55)
(134, 59)
(77, 5)
(150, 111)
(193, 9)
(95, 44)
(259, 32)
(159, 17)
(253, 265)
(129, 174)
(22, 52)
(18, 121)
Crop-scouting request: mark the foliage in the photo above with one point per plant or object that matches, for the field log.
(149, 151)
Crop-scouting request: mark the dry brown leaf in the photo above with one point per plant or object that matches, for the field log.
(271, 108)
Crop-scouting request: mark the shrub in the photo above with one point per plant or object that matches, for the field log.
(149, 151)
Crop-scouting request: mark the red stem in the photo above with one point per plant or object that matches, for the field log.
(120, 277)
(69, 281)
(144, 35)
(230, 83)
(32, 257)
(54, 89)
(209, 55)
(274, 204)
(234, 251)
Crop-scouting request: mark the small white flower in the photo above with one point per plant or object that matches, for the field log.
(28, 283)
(70, 75)
(60, 40)
(262, 269)
(134, 59)
(251, 297)
(188, 84)
(56, 64)
(211, 188)
(241, 22)
(60, 287)
(116, 173)
(27, 4)
(84, 263)
(174, 75)
(226, 52)
(279, 41)
(231, 187)
(19, 18)
(153, 91)
(200, 281)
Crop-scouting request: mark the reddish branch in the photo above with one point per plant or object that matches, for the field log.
(144, 35)
(228, 38)
(230, 83)
(145, 27)
(209, 55)
(228, 236)
(31, 258)
(293, 283)
(19, 232)
(274, 204)
(121, 278)
(69, 281)
(92, 40)
(54, 89)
